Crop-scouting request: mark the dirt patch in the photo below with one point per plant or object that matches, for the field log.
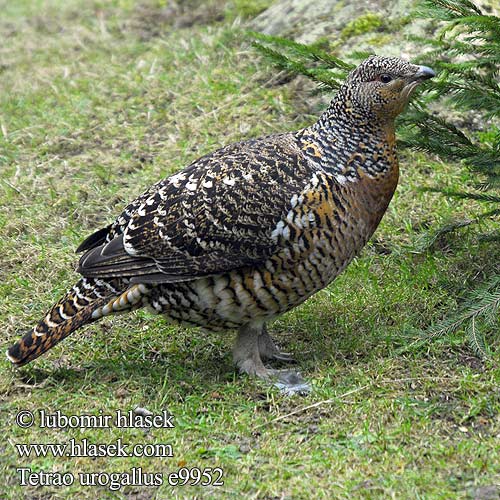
(485, 493)
(150, 21)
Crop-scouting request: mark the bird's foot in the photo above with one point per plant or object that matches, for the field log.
(253, 367)
(252, 344)
(268, 349)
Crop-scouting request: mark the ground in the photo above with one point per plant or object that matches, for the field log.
(100, 99)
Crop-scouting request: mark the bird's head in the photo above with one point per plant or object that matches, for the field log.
(382, 86)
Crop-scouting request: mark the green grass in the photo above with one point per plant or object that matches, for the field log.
(100, 99)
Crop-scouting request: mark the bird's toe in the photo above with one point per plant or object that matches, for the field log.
(284, 357)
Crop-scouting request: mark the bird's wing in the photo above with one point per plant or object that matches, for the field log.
(216, 215)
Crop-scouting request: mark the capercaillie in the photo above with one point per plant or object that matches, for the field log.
(246, 233)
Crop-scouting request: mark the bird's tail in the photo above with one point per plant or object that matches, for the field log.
(83, 304)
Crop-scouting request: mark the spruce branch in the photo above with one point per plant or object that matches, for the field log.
(467, 196)
(428, 240)
(484, 301)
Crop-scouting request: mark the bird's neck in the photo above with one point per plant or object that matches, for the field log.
(349, 145)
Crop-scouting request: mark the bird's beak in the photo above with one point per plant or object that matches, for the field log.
(423, 73)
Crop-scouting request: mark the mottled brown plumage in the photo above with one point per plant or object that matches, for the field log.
(250, 231)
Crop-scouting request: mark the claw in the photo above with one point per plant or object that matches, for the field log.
(286, 357)
(269, 350)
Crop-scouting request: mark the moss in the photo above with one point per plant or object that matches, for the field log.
(370, 21)
(247, 9)
(380, 39)
(489, 136)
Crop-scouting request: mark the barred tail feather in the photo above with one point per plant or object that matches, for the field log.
(75, 309)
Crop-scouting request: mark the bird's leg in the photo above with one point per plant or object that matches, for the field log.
(247, 357)
(269, 350)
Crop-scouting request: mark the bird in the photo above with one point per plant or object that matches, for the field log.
(246, 233)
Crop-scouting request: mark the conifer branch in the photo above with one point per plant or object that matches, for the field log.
(483, 302)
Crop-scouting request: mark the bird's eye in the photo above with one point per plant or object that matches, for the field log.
(385, 78)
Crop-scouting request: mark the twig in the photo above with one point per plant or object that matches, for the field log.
(315, 405)
(7, 183)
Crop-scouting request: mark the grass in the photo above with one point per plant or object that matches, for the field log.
(100, 99)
